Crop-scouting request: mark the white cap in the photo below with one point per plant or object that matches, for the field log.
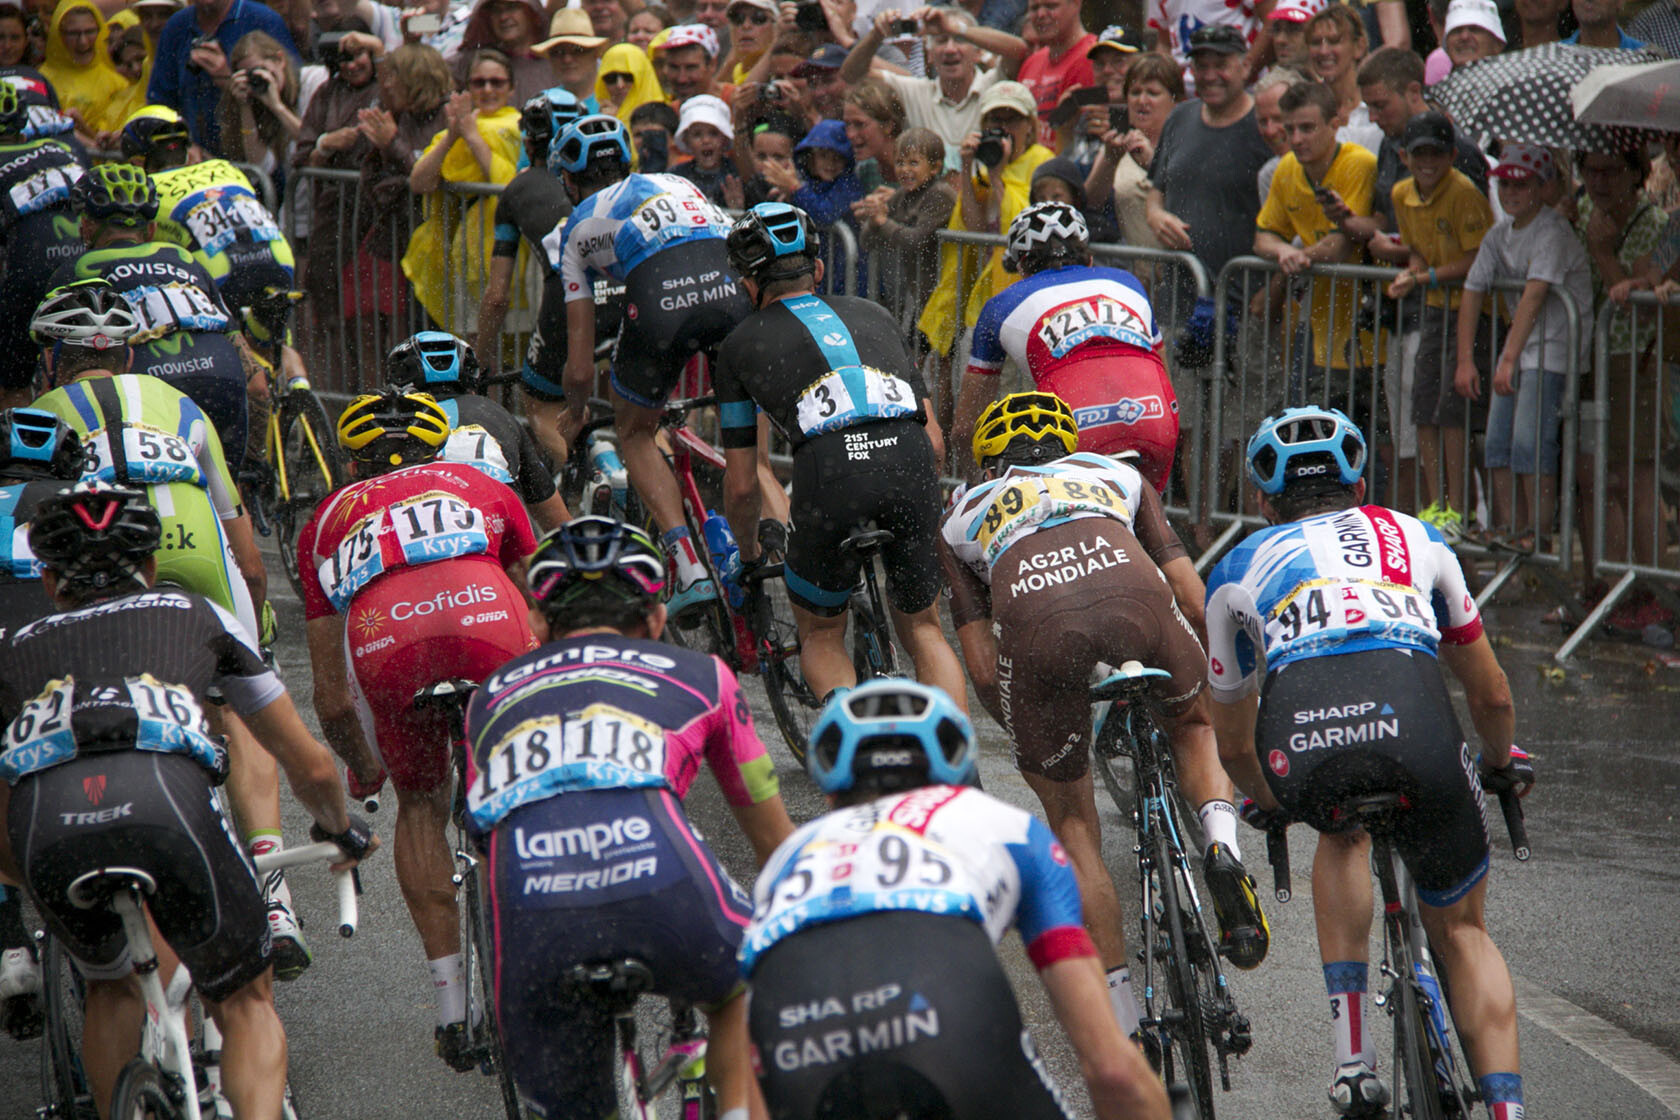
(1474, 13)
(692, 35)
(704, 109)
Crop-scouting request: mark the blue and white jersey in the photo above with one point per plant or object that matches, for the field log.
(1046, 318)
(1359, 579)
(939, 850)
(988, 518)
(616, 229)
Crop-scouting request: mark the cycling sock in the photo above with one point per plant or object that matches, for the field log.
(12, 933)
(451, 992)
(1219, 825)
(1347, 982)
(734, 1114)
(262, 841)
(1120, 997)
(681, 547)
(1503, 1093)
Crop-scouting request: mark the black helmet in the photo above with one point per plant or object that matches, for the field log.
(773, 241)
(35, 443)
(434, 361)
(154, 128)
(544, 117)
(590, 553)
(95, 534)
(1046, 235)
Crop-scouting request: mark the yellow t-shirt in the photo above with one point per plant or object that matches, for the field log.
(1444, 227)
(1291, 211)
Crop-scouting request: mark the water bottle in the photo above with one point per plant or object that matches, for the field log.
(609, 484)
(720, 542)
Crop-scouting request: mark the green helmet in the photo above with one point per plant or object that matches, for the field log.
(14, 114)
(118, 194)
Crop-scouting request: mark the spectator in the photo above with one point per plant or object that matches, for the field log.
(626, 81)
(949, 101)
(574, 56)
(705, 133)
(1061, 180)
(752, 26)
(1473, 31)
(382, 21)
(261, 124)
(652, 125)
(1658, 25)
(1060, 63)
(87, 86)
(1287, 23)
(1336, 45)
(825, 86)
(828, 174)
(1176, 22)
(189, 75)
(513, 28)
(14, 36)
(1599, 26)
(449, 256)
(776, 177)
(645, 24)
(153, 15)
(126, 44)
(1540, 21)
(1153, 89)
(608, 19)
(900, 230)
(1268, 117)
(874, 119)
(690, 56)
(713, 14)
(1531, 243)
(1084, 113)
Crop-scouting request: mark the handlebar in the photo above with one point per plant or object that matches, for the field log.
(348, 883)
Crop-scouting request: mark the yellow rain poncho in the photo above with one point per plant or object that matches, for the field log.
(95, 92)
(628, 58)
(134, 99)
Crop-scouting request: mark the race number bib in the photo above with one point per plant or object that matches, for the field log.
(354, 563)
(600, 747)
(169, 719)
(171, 307)
(40, 736)
(438, 527)
(1101, 316)
(663, 216)
(221, 218)
(850, 395)
(1320, 611)
(472, 446)
(47, 187)
(1028, 502)
(150, 455)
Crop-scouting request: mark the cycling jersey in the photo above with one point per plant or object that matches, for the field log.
(938, 849)
(618, 228)
(139, 430)
(166, 288)
(22, 596)
(40, 233)
(211, 210)
(35, 176)
(485, 435)
(604, 712)
(1359, 579)
(530, 207)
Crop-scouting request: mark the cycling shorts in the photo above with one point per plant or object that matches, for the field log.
(155, 812)
(543, 373)
(195, 555)
(592, 877)
(893, 1013)
(207, 368)
(1333, 728)
(37, 245)
(1123, 401)
(415, 627)
(679, 302)
(882, 473)
(1064, 599)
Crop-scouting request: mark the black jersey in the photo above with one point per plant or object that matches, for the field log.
(165, 286)
(35, 178)
(485, 435)
(23, 599)
(814, 364)
(127, 672)
(530, 206)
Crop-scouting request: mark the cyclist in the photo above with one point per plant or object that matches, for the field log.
(1085, 333)
(183, 325)
(38, 230)
(832, 374)
(1059, 561)
(209, 208)
(661, 238)
(601, 731)
(882, 916)
(134, 661)
(140, 431)
(482, 433)
(411, 575)
(39, 455)
(1338, 617)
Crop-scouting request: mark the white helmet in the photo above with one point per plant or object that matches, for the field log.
(90, 314)
(1046, 235)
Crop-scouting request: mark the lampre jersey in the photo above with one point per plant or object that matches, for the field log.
(1062, 313)
(988, 518)
(1359, 579)
(602, 711)
(614, 230)
(939, 850)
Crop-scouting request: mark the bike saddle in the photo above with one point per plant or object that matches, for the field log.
(615, 982)
(1132, 679)
(864, 541)
(1377, 812)
(452, 693)
(95, 889)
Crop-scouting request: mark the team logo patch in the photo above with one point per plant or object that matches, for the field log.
(631, 312)
(368, 621)
(1279, 763)
(1126, 410)
(94, 788)
(1218, 667)
(1059, 854)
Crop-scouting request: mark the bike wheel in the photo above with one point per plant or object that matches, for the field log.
(1418, 1095)
(310, 466)
(64, 1087)
(1186, 1049)
(141, 1094)
(792, 702)
(872, 648)
(481, 998)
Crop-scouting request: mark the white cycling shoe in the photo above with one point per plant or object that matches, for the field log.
(291, 951)
(20, 993)
(1357, 1091)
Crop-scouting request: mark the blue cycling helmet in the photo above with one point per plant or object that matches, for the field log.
(35, 443)
(544, 117)
(1295, 444)
(891, 725)
(772, 241)
(433, 361)
(588, 140)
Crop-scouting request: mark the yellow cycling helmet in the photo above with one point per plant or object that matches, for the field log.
(1032, 416)
(393, 428)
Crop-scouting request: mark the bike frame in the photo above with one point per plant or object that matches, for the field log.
(684, 1061)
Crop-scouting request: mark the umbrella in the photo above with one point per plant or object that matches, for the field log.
(1639, 95)
(1524, 96)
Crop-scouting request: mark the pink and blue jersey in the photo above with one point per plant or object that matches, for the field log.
(1061, 314)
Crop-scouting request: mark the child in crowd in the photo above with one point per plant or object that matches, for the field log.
(651, 127)
(1535, 244)
(704, 131)
(830, 183)
(774, 136)
(1060, 180)
(901, 227)
(128, 52)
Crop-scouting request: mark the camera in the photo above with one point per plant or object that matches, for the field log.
(904, 27)
(990, 149)
(771, 94)
(329, 51)
(201, 41)
(1118, 119)
(809, 16)
(257, 79)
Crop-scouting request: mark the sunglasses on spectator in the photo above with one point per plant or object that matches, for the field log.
(756, 16)
(488, 83)
(618, 78)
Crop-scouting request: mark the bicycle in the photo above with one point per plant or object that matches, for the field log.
(171, 1078)
(615, 987)
(872, 649)
(484, 1039)
(1433, 1084)
(1187, 1003)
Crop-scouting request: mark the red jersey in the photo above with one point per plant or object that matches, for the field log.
(1051, 80)
(417, 515)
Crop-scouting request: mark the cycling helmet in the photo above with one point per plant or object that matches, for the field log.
(595, 139)
(1305, 443)
(154, 128)
(887, 725)
(768, 233)
(90, 314)
(1046, 235)
(14, 113)
(434, 360)
(95, 534)
(118, 194)
(36, 444)
(393, 428)
(1033, 418)
(544, 117)
(579, 557)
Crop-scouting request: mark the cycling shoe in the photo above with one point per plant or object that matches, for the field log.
(1244, 935)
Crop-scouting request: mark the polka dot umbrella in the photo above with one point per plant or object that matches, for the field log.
(1524, 95)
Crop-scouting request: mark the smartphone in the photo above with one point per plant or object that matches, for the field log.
(423, 24)
(1119, 119)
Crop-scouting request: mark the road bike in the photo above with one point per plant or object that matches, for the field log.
(172, 1077)
(615, 987)
(1187, 1004)
(872, 648)
(301, 464)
